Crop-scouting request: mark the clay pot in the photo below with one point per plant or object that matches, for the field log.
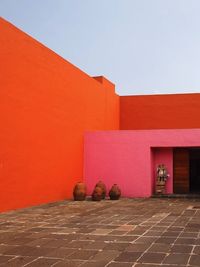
(97, 194)
(79, 191)
(103, 187)
(115, 192)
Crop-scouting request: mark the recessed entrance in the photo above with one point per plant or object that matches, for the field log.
(194, 155)
(186, 176)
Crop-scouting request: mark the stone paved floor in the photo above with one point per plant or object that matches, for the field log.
(129, 232)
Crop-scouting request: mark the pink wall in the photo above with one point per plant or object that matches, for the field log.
(129, 157)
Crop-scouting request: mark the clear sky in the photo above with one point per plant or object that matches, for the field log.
(143, 46)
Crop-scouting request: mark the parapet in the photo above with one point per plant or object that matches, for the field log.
(105, 82)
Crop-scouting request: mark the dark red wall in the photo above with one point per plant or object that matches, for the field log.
(160, 111)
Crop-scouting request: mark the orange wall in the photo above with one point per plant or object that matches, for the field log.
(160, 111)
(46, 105)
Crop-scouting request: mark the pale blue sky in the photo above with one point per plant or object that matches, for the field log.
(143, 46)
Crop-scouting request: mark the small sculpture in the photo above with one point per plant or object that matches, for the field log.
(103, 187)
(162, 176)
(79, 191)
(115, 192)
(97, 193)
(162, 173)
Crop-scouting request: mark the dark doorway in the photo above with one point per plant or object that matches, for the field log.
(186, 170)
(194, 155)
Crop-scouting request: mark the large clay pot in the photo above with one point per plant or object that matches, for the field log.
(79, 191)
(103, 187)
(115, 192)
(97, 194)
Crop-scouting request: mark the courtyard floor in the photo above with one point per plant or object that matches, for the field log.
(129, 232)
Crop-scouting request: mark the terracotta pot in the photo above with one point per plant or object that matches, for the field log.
(115, 192)
(97, 194)
(79, 191)
(103, 187)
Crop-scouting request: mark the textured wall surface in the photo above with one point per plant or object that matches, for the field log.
(129, 158)
(178, 111)
(46, 105)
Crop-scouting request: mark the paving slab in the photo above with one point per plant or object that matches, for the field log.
(128, 232)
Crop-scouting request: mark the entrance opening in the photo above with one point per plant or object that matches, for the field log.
(194, 156)
(186, 177)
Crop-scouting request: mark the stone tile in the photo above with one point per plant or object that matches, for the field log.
(6, 236)
(193, 225)
(157, 265)
(97, 245)
(107, 255)
(68, 263)
(18, 241)
(85, 230)
(89, 237)
(82, 254)
(128, 256)
(94, 264)
(188, 241)
(165, 248)
(119, 264)
(153, 233)
(151, 257)
(118, 233)
(125, 228)
(140, 247)
(28, 251)
(197, 242)
(126, 238)
(176, 229)
(61, 252)
(190, 230)
(5, 248)
(36, 229)
(4, 259)
(19, 261)
(176, 258)
(71, 237)
(57, 243)
(36, 236)
(138, 231)
(159, 228)
(103, 226)
(44, 262)
(146, 239)
(116, 246)
(196, 250)
(189, 234)
(39, 242)
(195, 260)
(101, 231)
(78, 244)
(181, 248)
(105, 238)
(165, 240)
(170, 234)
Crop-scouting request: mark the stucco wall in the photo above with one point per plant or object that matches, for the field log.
(46, 104)
(177, 111)
(129, 158)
